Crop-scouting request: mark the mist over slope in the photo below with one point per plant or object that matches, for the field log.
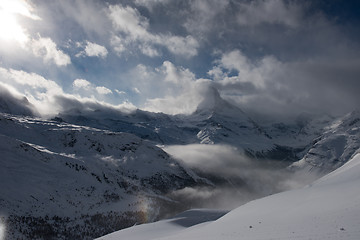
(318, 211)
(9, 103)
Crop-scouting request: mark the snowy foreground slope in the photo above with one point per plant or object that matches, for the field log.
(327, 209)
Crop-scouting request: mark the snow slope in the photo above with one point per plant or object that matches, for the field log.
(168, 226)
(327, 209)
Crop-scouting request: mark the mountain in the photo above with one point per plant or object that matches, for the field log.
(215, 121)
(15, 105)
(303, 129)
(335, 146)
(156, 127)
(67, 181)
(318, 211)
(218, 121)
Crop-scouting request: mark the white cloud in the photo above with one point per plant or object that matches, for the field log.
(136, 90)
(119, 92)
(76, 104)
(81, 83)
(92, 50)
(169, 89)
(132, 31)
(209, 158)
(254, 73)
(185, 46)
(128, 20)
(32, 80)
(269, 11)
(103, 90)
(149, 50)
(46, 48)
(177, 75)
(185, 103)
(50, 99)
(89, 88)
(119, 44)
(38, 90)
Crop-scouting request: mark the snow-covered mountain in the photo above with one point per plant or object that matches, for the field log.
(303, 129)
(91, 171)
(215, 121)
(9, 103)
(318, 211)
(218, 121)
(67, 181)
(335, 146)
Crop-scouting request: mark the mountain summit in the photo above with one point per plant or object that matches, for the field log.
(221, 122)
(214, 103)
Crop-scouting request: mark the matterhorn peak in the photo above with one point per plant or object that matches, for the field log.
(213, 103)
(211, 99)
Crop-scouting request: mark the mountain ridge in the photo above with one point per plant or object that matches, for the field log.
(74, 175)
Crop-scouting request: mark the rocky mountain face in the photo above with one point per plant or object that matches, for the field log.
(67, 181)
(335, 146)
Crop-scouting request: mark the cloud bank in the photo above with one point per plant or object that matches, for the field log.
(271, 57)
(46, 98)
(238, 179)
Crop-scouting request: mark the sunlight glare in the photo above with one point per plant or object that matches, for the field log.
(10, 29)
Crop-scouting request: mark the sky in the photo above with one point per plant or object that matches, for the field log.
(270, 57)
